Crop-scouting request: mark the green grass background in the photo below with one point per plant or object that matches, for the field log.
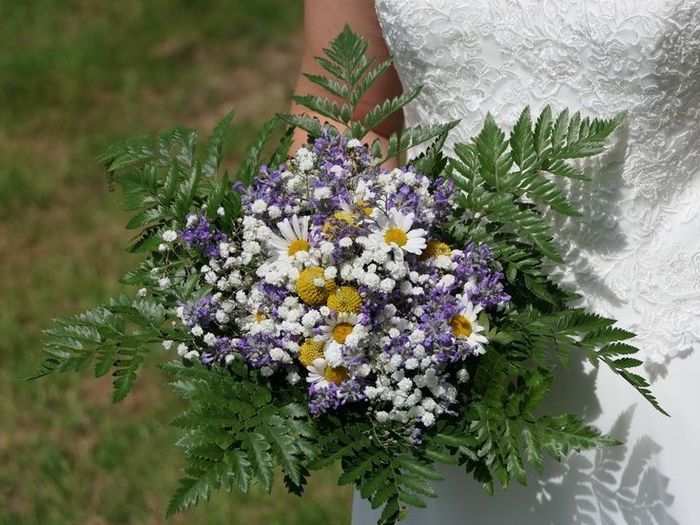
(76, 75)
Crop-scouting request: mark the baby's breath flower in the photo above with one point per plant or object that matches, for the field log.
(169, 235)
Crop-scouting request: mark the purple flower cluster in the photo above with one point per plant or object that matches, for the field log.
(200, 234)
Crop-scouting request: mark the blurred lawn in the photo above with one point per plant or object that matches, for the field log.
(74, 76)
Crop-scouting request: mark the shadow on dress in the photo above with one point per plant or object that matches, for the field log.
(597, 233)
(611, 486)
(618, 485)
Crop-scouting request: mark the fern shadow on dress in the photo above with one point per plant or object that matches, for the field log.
(603, 487)
(600, 202)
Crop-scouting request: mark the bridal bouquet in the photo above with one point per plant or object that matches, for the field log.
(324, 308)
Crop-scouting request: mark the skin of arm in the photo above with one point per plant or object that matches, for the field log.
(323, 20)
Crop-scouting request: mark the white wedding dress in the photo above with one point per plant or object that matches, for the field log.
(635, 255)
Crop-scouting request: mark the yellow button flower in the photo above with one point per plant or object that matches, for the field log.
(335, 375)
(436, 249)
(310, 351)
(313, 288)
(345, 299)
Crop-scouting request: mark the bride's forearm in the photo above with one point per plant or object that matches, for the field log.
(323, 20)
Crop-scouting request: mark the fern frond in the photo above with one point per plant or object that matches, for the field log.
(365, 83)
(522, 143)
(326, 107)
(491, 147)
(311, 125)
(250, 165)
(412, 137)
(381, 112)
(118, 336)
(213, 154)
(334, 87)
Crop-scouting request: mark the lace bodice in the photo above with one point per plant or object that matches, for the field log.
(636, 253)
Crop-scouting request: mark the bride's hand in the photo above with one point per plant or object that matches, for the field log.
(323, 20)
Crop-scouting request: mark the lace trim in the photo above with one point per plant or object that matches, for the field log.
(636, 253)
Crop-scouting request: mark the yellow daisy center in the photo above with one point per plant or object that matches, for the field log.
(345, 217)
(340, 216)
(461, 326)
(308, 289)
(366, 208)
(300, 245)
(310, 351)
(260, 317)
(396, 235)
(345, 299)
(341, 331)
(436, 249)
(335, 375)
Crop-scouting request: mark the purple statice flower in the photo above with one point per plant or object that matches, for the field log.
(416, 436)
(352, 391)
(334, 149)
(408, 200)
(331, 396)
(274, 294)
(475, 265)
(442, 190)
(200, 234)
(218, 351)
(331, 148)
(329, 186)
(200, 312)
(399, 345)
(323, 398)
(255, 349)
(269, 187)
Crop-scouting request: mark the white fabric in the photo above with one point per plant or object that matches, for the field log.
(636, 253)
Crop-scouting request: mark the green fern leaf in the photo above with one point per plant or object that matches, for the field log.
(258, 450)
(213, 154)
(380, 112)
(326, 107)
(311, 125)
(560, 435)
(543, 130)
(355, 96)
(412, 137)
(522, 142)
(339, 89)
(491, 147)
(240, 467)
(250, 164)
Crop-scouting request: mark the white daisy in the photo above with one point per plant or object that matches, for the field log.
(335, 332)
(316, 374)
(395, 231)
(465, 325)
(294, 238)
(255, 317)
